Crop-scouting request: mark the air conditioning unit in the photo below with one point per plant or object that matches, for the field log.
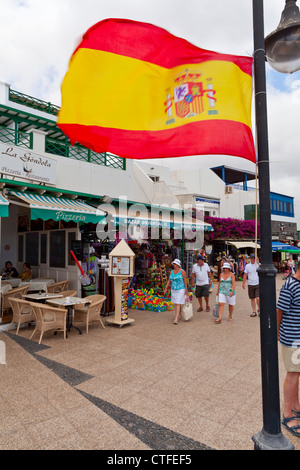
(228, 189)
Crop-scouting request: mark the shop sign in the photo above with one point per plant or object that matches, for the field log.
(22, 163)
(141, 222)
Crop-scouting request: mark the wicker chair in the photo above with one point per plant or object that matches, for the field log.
(15, 293)
(49, 319)
(69, 293)
(57, 287)
(91, 312)
(22, 312)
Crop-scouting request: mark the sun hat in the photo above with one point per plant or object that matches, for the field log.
(226, 265)
(177, 261)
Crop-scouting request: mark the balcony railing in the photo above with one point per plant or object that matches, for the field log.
(15, 137)
(78, 152)
(62, 148)
(32, 102)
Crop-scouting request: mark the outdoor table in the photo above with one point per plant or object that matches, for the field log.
(69, 302)
(5, 288)
(41, 297)
(36, 285)
(13, 281)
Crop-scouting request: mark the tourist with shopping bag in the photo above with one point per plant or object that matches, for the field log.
(179, 289)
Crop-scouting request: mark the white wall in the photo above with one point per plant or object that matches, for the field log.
(232, 205)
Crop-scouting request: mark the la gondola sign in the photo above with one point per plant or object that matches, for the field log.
(22, 163)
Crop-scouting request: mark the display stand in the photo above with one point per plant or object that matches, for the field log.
(121, 268)
(163, 274)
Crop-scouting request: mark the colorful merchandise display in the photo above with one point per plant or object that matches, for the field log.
(143, 299)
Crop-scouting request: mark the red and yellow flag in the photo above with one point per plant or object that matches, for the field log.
(137, 91)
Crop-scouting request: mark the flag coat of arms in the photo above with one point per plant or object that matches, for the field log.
(137, 91)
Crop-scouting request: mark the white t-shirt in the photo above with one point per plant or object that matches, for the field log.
(201, 273)
(251, 271)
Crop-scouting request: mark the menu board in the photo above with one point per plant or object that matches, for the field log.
(121, 265)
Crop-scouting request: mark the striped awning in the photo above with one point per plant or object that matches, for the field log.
(57, 208)
(3, 206)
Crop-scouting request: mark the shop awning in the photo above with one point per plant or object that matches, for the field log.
(57, 208)
(3, 206)
(239, 245)
(277, 246)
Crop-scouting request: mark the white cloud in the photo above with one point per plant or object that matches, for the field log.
(38, 37)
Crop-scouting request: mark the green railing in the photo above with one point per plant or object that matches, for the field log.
(78, 152)
(15, 137)
(35, 103)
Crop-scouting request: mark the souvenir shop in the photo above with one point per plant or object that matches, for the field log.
(153, 262)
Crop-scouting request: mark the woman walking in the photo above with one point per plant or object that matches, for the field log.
(178, 288)
(226, 292)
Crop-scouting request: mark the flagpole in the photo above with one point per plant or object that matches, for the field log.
(270, 437)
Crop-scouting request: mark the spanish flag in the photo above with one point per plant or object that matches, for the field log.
(137, 91)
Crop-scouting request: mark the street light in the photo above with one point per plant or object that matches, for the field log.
(270, 437)
(283, 44)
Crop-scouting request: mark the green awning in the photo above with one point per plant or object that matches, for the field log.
(3, 206)
(56, 208)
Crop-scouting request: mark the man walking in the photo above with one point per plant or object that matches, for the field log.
(288, 322)
(253, 284)
(201, 272)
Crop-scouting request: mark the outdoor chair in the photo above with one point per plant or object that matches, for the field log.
(48, 319)
(57, 287)
(15, 293)
(69, 293)
(90, 312)
(22, 312)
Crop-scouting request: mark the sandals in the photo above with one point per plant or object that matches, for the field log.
(218, 320)
(253, 314)
(207, 309)
(200, 309)
(292, 429)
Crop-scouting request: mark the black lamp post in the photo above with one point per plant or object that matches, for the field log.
(270, 437)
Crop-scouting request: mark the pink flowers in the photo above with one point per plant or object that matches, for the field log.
(231, 229)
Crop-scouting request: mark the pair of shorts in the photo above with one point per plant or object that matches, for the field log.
(202, 291)
(291, 358)
(226, 299)
(253, 291)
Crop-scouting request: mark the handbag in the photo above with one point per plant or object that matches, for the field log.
(187, 311)
(215, 310)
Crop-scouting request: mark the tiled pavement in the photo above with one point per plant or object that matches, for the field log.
(149, 386)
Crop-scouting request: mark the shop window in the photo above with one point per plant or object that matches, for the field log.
(32, 248)
(71, 237)
(57, 249)
(43, 254)
(20, 248)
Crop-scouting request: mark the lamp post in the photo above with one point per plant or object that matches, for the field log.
(270, 437)
(283, 44)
